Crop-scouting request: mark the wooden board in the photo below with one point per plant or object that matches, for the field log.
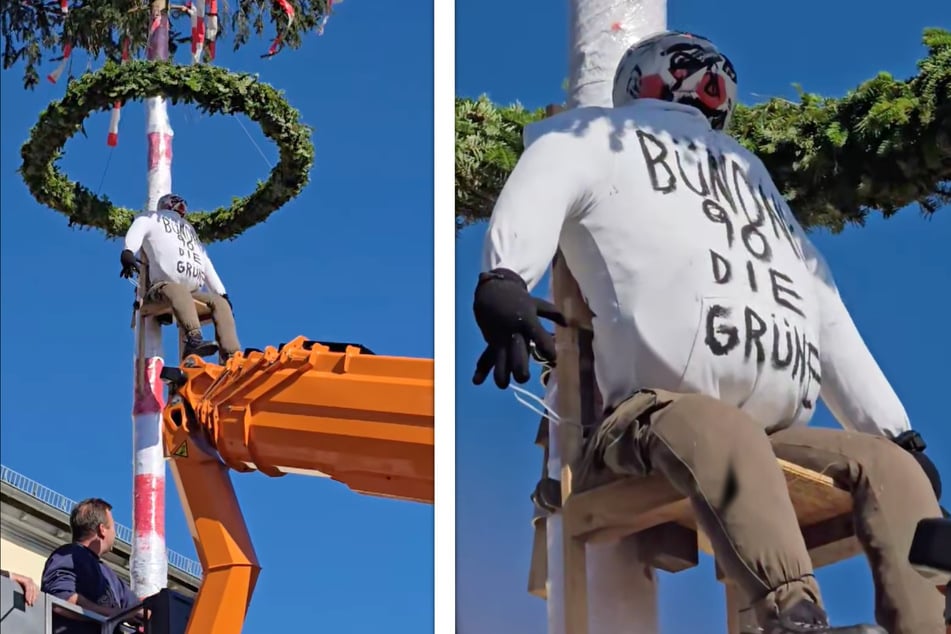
(157, 309)
(631, 505)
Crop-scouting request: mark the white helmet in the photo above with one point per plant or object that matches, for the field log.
(682, 68)
(173, 202)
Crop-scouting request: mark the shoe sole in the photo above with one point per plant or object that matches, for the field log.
(202, 351)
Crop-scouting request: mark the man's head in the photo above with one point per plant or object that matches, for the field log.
(682, 68)
(92, 525)
(173, 202)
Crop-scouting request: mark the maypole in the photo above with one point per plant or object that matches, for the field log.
(149, 563)
(600, 31)
(34, 30)
(622, 591)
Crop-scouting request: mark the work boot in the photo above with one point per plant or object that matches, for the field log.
(194, 344)
(806, 617)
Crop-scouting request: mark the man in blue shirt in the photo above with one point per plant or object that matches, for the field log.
(76, 573)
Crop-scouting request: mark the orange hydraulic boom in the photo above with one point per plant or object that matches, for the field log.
(309, 408)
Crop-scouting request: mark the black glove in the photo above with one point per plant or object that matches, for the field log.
(912, 442)
(508, 316)
(130, 266)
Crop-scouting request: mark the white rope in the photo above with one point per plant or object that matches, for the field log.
(546, 411)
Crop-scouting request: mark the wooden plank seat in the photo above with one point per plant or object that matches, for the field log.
(651, 509)
(631, 505)
(669, 539)
(163, 311)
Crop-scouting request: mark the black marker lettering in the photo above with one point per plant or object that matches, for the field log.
(799, 359)
(753, 239)
(751, 274)
(655, 160)
(703, 191)
(774, 211)
(722, 271)
(780, 363)
(713, 329)
(718, 184)
(781, 292)
(815, 370)
(716, 213)
(753, 334)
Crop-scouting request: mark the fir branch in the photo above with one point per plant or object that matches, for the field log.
(34, 31)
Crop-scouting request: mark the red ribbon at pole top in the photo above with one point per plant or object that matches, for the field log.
(67, 48)
(278, 42)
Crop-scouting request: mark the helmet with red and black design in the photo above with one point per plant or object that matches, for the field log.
(172, 202)
(679, 67)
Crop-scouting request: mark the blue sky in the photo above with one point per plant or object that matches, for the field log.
(350, 259)
(892, 274)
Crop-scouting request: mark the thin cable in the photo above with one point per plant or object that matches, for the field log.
(254, 143)
(105, 170)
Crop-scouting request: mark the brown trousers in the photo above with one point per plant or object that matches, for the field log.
(725, 463)
(182, 302)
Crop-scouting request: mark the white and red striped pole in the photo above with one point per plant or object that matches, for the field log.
(621, 597)
(149, 565)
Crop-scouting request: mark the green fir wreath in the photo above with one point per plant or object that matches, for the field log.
(213, 90)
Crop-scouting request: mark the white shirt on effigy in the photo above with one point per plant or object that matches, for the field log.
(175, 254)
(699, 277)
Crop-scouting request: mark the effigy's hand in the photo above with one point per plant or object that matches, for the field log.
(510, 321)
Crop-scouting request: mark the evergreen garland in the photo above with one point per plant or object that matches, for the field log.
(214, 90)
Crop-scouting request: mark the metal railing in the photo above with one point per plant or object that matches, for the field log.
(17, 616)
(62, 503)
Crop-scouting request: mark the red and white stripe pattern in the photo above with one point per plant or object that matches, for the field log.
(196, 12)
(112, 139)
(211, 27)
(278, 42)
(67, 49)
(149, 565)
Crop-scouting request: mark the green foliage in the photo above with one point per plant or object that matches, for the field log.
(488, 144)
(214, 90)
(34, 31)
(883, 146)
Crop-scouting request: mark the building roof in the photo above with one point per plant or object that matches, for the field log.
(38, 518)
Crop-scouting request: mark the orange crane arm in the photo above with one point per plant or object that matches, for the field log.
(305, 408)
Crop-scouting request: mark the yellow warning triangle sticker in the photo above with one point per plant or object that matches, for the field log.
(182, 451)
